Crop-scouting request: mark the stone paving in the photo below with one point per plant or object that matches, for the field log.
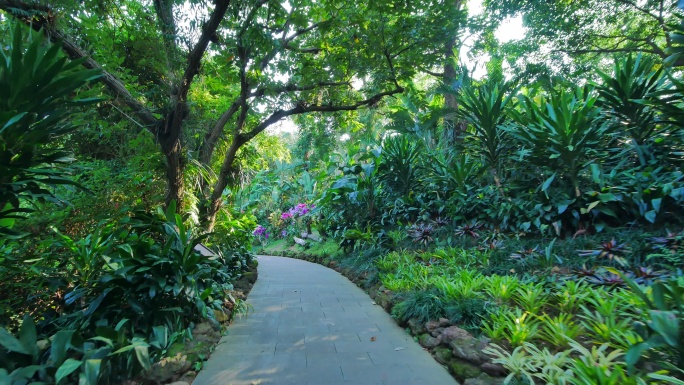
(310, 325)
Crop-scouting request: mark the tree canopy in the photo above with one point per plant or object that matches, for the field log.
(274, 60)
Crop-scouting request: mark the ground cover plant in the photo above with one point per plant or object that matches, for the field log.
(595, 332)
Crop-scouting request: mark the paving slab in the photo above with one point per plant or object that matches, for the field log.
(312, 326)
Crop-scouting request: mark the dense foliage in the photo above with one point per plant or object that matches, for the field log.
(540, 205)
(101, 303)
(551, 223)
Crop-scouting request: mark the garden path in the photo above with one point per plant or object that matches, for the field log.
(310, 325)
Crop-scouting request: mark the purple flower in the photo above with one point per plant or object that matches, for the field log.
(300, 210)
(260, 231)
(283, 233)
(286, 216)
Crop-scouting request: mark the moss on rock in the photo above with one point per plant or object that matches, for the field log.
(463, 370)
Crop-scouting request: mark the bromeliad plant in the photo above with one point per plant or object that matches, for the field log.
(423, 234)
(612, 250)
(37, 84)
(559, 330)
(469, 230)
(514, 326)
(501, 288)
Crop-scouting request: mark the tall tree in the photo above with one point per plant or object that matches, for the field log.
(280, 58)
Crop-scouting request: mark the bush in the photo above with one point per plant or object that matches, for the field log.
(421, 305)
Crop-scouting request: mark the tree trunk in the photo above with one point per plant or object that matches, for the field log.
(175, 165)
(222, 182)
(211, 138)
(452, 125)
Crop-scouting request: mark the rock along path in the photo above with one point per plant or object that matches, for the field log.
(310, 325)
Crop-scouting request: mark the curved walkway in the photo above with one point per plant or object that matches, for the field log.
(311, 325)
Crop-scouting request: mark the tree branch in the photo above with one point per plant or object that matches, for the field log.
(391, 67)
(601, 50)
(195, 57)
(303, 50)
(167, 26)
(435, 74)
(302, 109)
(211, 137)
(250, 16)
(42, 22)
(285, 42)
(642, 10)
(180, 110)
(294, 88)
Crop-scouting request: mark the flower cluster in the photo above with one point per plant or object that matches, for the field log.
(301, 210)
(260, 231)
(298, 211)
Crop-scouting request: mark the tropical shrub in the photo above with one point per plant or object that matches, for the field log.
(34, 109)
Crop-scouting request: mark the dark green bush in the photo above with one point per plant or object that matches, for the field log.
(420, 305)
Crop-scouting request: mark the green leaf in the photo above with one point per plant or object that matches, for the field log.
(595, 173)
(206, 293)
(608, 197)
(97, 301)
(562, 208)
(547, 182)
(659, 298)
(635, 352)
(121, 324)
(92, 371)
(28, 335)
(650, 216)
(590, 207)
(10, 343)
(106, 340)
(599, 226)
(161, 335)
(141, 352)
(26, 372)
(13, 120)
(61, 342)
(667, 379)
(68, 367)
(656, 204)
(171, 212)
(666, 324)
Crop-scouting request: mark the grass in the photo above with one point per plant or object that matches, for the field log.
(326, 250)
